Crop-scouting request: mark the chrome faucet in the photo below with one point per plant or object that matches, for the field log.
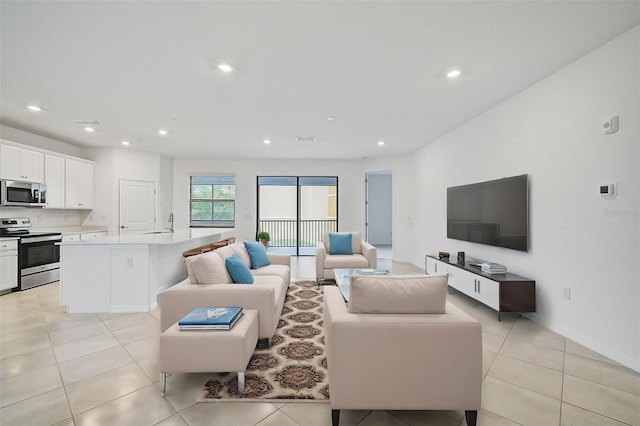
(171, 221)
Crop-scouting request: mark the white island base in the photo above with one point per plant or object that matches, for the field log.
(126, 273)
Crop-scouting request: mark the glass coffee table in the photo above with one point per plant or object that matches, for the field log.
(343, 278)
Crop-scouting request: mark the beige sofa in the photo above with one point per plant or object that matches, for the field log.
(386, 351)
(364, 256)
(209, 284)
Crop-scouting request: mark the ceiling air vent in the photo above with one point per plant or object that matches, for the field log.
(305, 138)
(85, 122)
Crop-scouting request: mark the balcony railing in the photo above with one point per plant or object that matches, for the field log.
(283, 232)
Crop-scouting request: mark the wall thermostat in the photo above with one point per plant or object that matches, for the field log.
(611, 125)
(608, 189)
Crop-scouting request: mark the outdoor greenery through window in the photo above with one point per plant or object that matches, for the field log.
(213, 201)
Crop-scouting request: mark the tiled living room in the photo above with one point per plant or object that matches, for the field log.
(88, 369)
(219, 112)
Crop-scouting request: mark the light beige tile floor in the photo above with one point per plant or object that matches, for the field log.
(102, 369)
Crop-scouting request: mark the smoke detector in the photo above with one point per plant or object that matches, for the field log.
(84, 123)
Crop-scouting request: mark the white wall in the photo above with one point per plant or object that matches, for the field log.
(20, 136)
(113, 165)
(578, 239)
(350, 187)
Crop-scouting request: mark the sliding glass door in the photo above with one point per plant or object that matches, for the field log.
(296, 211)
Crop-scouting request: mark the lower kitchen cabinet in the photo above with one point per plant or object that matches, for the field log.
(8, 264)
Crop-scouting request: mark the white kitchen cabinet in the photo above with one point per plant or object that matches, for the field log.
(54, 179)
(70, 237)
(8, 264)
(91, 235)
(78, 184)
(21, 164)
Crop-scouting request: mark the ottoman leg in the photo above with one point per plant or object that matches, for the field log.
(240, 381)
(163, 384)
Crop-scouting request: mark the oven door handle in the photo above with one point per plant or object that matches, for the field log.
(27, 240)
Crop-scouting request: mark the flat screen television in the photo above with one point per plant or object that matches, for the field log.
(495, 212)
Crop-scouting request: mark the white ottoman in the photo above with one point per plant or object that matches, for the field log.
(203, 351)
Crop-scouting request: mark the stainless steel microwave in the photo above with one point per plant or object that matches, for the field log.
(24, 194)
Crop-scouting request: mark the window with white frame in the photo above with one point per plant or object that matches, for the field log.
(213, 201)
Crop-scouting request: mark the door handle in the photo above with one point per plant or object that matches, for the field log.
(122, 226)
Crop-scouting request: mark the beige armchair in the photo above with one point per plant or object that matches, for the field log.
(384, 352)
(364, 256)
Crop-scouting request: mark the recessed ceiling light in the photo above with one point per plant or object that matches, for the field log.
(34, 108)
(89, 129)
(266, 141)
(225, 67)
(380, 143)
(125, 143)
(453, 73)
(331, 118)
(162, 132)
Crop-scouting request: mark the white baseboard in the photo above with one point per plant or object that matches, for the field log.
(588, 343)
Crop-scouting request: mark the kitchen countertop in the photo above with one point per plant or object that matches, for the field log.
(71, 229)
(179, 236)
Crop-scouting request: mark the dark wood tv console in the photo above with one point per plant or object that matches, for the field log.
(502, 292)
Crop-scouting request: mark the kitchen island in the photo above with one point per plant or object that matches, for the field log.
(125, 273)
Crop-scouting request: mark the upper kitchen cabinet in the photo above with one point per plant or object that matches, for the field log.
(78, 184)
(21, 164)
(54, 179)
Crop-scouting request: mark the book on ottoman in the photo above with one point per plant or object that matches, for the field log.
(210, 318)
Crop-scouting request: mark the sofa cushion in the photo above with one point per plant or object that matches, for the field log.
(188, 262)
(242, 252)
(281, 271)
(356, 241)
(398, 294)
(239, 271)
(345, 261)
(257, 254)
(208, 268)
(224, 252)
(340, 243)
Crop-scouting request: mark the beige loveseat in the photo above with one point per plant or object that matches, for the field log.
(364, 256)
(384, 351)
(209, 284)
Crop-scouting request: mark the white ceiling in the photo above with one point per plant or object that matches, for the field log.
(376, 66)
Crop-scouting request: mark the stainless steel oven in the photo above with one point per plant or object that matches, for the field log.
(39, 259)
(38, 253)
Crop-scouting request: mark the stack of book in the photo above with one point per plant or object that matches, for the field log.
(493, 268)
(211, 319)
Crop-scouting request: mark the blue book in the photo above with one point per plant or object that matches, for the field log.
(210, 318)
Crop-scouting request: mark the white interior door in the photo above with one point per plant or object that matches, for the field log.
(137, 201)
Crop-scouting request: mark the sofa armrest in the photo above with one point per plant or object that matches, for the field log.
(370, 253)
(428, 361)
(279, 259)
(321, 255)
(182, 298)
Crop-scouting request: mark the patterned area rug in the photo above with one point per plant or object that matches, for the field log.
(294, 367)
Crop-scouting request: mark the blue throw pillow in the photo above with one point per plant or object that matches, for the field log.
(257, 254)
(240, 273)
(340, 243)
